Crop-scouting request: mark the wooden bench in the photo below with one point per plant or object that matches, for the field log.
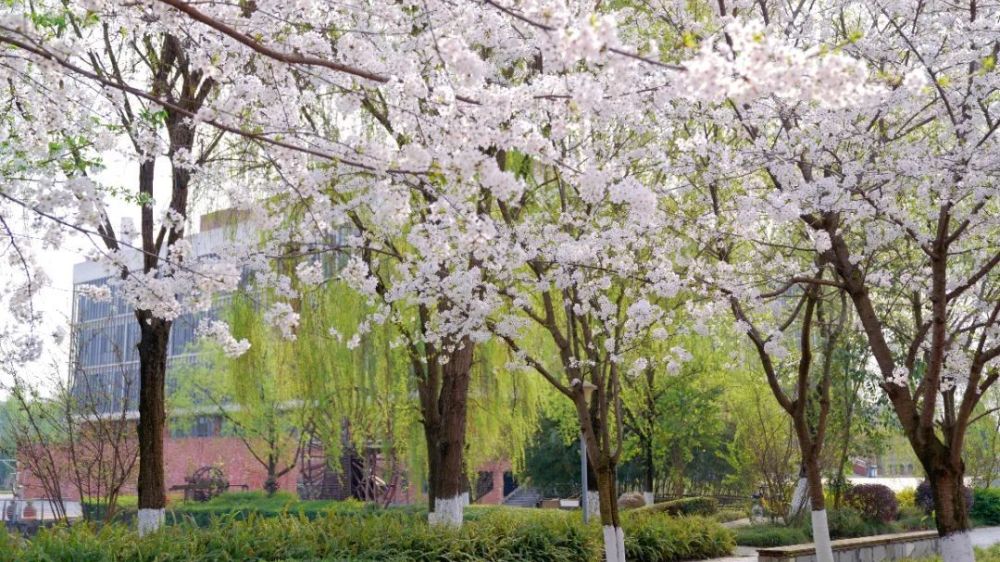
(864, 549)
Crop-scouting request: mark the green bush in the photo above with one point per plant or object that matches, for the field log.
(727, 515)
(495, 534)
(771, 534)
(913, 518)
(654, 538)
(684, 506)
(847, 522)
(393, 537)
(986, 507)
(907, 497)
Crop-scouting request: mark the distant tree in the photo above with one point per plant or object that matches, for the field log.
(552, 460)
(982, 457)
(763, 449)
(859, 421)
(254, 393)
(69, 441)
(671, 411)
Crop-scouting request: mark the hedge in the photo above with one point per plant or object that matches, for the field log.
(684, 506)
(654, 537)
(243, 505)
(771, 534)
(844, 523)
(986, 507)
(498, 535)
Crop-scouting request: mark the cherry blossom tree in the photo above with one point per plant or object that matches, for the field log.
(895, 193)
(429, 102)
(154, 272)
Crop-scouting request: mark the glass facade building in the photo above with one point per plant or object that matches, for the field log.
(104, 361)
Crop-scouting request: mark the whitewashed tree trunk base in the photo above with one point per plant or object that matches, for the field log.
(448, 511)
(957, 547)
(593, 504)
(149, 521)
(614, 544)
(648, 498)
(800, 498)
(821, 536)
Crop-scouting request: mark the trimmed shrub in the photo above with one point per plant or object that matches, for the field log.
(847, 522)
(685, 506)
(653, 537)
(727, 515)
(986, 506)
(876, 502)
(497, 534)
(925, 497)
(770, 534)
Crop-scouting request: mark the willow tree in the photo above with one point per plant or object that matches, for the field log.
(254, 393)
(356, 370)
(356, 382)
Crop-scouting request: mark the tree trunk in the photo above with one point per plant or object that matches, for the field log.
(820, 525)
(950, 510)
(614, 537)
(448, 482)
(153, 340)
(647, 493)
(592, 495)
(838, 491)
(677, 472)
(271, 482)
(433, 462)
(800, 497)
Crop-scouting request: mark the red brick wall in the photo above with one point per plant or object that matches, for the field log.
(494, 496)
(184, 455)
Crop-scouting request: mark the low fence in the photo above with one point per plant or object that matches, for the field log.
(36, 509)
(868, 549)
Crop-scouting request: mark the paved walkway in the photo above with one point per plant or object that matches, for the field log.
(983, 536)
(986, 536)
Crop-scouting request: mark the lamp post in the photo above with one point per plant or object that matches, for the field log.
(588, 390)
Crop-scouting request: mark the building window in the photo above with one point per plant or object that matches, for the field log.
(200, 426)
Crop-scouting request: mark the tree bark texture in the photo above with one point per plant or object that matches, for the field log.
(445, 432)
(153, 340)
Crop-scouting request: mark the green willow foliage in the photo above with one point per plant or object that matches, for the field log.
(350, 379)
(370, 383)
